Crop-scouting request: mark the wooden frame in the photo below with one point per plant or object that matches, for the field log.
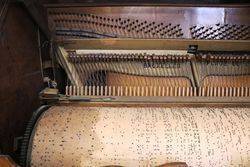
(129, 101)
(155, 44)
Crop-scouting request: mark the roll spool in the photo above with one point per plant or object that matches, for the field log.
(101, 136)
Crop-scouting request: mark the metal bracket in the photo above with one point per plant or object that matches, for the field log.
(17, 142)
(192, 49)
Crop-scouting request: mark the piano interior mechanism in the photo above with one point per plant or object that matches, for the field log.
(147, 85)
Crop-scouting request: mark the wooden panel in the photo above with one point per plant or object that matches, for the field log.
(20, 75)
(184, 17)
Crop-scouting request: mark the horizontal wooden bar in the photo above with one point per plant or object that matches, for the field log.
(153, 4)
(155, 44)
(129, 101)
(160, 102)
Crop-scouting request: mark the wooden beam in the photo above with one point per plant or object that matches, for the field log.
(37, 11)
(156, 44)
(71, 3)
(71, 71)
(156, 101)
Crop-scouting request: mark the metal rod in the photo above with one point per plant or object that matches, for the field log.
(53, 61)
(40, 51)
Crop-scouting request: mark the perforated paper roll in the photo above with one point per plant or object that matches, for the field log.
(100, 136)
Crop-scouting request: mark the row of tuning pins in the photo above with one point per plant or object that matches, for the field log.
(117, 26)
(92, 23)
(85, 28)
(73, 57)
(113, 27)
(62, 33)
(153, 29)
(230, 60)
(223, 57)
(145, 56)
(220, 31)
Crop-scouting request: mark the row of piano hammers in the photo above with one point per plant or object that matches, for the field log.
(205, 74)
